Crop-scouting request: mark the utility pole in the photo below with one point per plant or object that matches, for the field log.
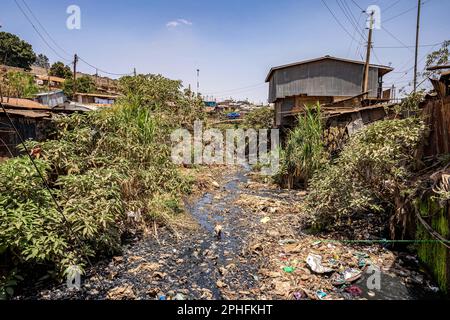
(198, 82)
(134, 72)
(96, 78)
(75, 60)
(365, 87)
(417, 45)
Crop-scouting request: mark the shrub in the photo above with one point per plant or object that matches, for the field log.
(109, 170)
(372, 168)
(260, 118)
(304, 153)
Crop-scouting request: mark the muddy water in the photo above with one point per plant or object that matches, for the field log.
(200, 266)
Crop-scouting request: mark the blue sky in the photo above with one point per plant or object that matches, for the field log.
(234, 43)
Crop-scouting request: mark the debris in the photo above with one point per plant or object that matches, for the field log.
(351, 275)
(299, 295)
(179, 296)
(315, 263)
(265, 220)
(146, 267)
(337, 279)
(215, 184)
(289, 269)
(355, 291)
(218, 231)
(321, 295)
(162, 298)
(221, 284)
(121, 293)
(371, 294)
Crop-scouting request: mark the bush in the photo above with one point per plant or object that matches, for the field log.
(372, 168)
(304, 153)
(260, 118)
(109, 170)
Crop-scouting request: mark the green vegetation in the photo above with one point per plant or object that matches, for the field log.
(18, 84)
(260, 118)
(59, 69)
(436, 58)
(85, 84)
(42, 61)
(304, 153)
(110, 171)
(434, 254)
(373, 167)
(15, 52)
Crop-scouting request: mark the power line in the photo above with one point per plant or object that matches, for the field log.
(391, 6)
(348, 16)
(404, 12)
(45, 30)
(403, 47)
(337, 20)
(52, 39)
(356, 4)
(103, 71)
(37, 31)
(396, 38)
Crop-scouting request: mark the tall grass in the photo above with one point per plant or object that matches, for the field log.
(304, 152)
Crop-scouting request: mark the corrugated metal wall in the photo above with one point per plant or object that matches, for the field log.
(321, 78)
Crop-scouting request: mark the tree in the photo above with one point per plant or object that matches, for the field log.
(438, 57)
(19, 85)
(85, 84)
(59, 69)
(42, 61)
(15, 52)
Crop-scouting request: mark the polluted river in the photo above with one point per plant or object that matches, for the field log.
(260, 254)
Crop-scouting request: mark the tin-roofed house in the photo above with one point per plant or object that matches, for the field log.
(98, 99)
(31, 119)
(51, 99)
(326, 80)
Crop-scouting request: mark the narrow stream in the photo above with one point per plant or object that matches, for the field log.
(200, 266)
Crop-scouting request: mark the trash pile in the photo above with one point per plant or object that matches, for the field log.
(298, 266)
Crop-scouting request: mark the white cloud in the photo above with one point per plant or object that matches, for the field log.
(178, 22)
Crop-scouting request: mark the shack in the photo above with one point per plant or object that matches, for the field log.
(51, 99)
(327, 80)
(95, 99)
(50, 82)
(31, 119)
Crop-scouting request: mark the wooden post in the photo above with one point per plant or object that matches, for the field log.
(365, 87)
(75, 60)
(417, 45)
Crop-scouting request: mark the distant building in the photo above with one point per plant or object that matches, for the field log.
(50, 82)
(95, 98)
(326, 80)
(51, 99)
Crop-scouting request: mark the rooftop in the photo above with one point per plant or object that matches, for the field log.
(23, 104)
(385, 69)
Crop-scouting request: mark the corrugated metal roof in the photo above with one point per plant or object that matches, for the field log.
(99, 95)
(385, 68)
(23, 104)
(28, 113)
(49, 93)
